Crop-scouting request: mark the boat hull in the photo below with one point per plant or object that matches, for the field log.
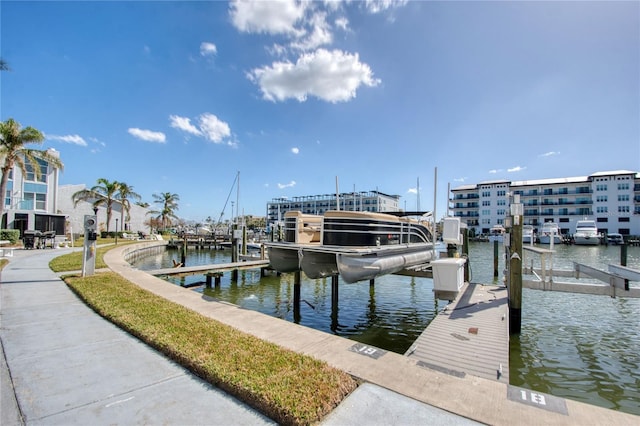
(354, 267)
(546, 239)
(283, 257)
(318, 264)
(586, 240)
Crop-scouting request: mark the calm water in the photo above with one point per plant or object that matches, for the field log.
(581, 347)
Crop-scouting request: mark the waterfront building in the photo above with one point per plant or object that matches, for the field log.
(134, 220)
(369, 201)
(610, 198)
(31, 202)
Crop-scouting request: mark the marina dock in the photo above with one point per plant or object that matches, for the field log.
(204, 269)
(470, 336)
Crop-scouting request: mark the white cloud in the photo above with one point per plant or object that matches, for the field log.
(208, 49)
(516, 169)
(287, 185)
(377, 6)
(412, 190)
(462, 179)
(494, 171)
(209, 126)
(550, 154)
(184, 123)
(72, 139)
(319, 34)
(295, 150)
(147, 135)
(270, 17)
(342, 23)
(213, 129)
(333, 76)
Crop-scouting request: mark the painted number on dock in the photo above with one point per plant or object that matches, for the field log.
(537, 399)
(369, 351)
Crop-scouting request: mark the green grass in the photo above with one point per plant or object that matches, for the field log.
(288, 387)
(73, 261)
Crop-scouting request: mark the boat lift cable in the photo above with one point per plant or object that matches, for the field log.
(227, 201)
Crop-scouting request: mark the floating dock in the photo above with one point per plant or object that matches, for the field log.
(469, 336)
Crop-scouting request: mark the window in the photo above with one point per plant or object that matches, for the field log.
(623, 209)
(623, 197)
(35, 201)
(31, 174)
(623, 187)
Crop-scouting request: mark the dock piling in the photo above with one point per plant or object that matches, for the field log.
(515, 267)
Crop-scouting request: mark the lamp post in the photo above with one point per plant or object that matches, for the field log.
(116, 230)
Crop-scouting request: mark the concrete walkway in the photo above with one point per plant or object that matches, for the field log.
(66, 365)
(63, 364)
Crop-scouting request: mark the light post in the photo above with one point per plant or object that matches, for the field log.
(116, 230)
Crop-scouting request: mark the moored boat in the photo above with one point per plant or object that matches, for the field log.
(550, 230)
(496, 233)
(357, 245)
(615, 239)
(586, 233)
(300, 230)
(527, 234)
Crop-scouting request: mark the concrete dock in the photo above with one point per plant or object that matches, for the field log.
(84, 380)
(469, 336)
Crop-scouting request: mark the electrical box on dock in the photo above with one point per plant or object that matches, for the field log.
(448, 274)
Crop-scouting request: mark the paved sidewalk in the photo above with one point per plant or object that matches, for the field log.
(68, 366)
(63, 364)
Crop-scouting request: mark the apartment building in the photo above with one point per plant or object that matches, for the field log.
(610, 198)
(31, 202)
(370, 201)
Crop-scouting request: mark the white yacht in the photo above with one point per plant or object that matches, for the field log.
(550, 230)
(527, 234)
(586, 233)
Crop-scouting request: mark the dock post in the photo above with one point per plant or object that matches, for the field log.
(515, 267)
(495, 259)
(623, 262)
(183, 257)
(234, 275)
(465, 253)
(296, 297)
(208, 281)
(334, 291)
(372, 282)
(334, 302)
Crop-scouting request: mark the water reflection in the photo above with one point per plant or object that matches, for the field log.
(581, 347)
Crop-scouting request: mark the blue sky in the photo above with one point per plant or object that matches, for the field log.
(180, 96)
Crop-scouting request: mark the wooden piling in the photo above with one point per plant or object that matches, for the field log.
(465, 253)
(495, 259)
(296, 296)
(623, 262)
(515, 270)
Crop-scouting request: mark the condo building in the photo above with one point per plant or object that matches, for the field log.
(370, 201)
(610, 198)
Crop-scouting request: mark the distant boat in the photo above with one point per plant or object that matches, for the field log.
(549, 230)
(527, 234)
(357, 245)
(586, 233)
(615, 238)
(496, 233)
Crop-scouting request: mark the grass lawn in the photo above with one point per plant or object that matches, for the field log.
(288, 387)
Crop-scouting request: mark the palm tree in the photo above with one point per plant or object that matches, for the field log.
(169, 204)
(124, 193)
(4, 66)
(105, 193)
(14, 153)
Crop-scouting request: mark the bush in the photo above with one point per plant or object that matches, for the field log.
(11, 235)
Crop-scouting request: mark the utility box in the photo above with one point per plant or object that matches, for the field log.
(448, 274)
